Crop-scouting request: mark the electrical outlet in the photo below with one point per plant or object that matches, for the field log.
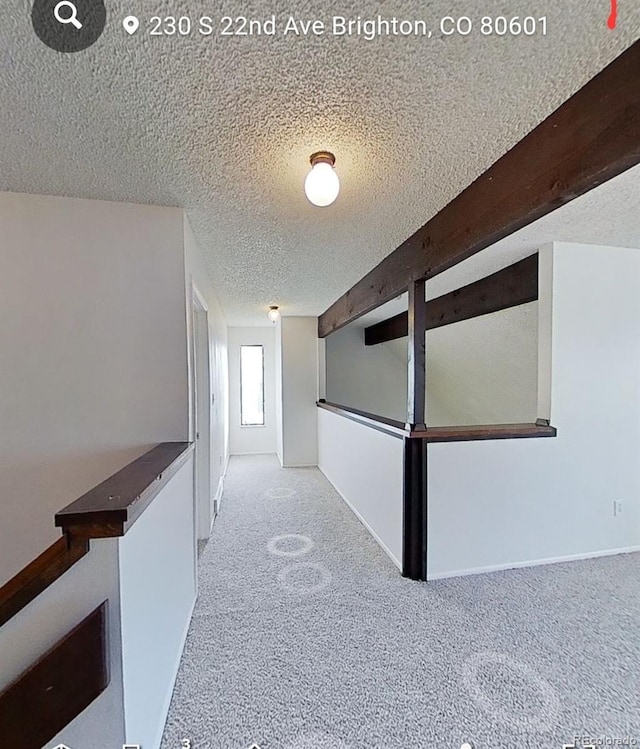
(618, 507)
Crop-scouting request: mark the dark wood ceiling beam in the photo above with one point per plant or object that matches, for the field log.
(387, 330)
(589, 139)
(517, 284)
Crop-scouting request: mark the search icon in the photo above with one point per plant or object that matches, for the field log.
(68, 26)
(72, 19)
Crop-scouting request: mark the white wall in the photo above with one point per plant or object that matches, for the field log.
(368, 378)
(299, 390)
(50, 617)
(366, 468)
(157, 595)
(515, 502)
(196, 274)
(93, 366)
(258, 439)
(484, 370)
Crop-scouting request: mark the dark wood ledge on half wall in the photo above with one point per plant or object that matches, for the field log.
(113, 506)
(474, 433)
(106, 511)
(470, 433)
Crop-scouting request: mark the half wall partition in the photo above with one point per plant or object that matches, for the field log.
(587, 141)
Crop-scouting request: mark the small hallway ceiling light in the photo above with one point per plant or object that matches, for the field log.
(273, 314)
(322, 184)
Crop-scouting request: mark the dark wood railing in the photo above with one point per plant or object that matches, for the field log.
(59, 686)
(380, 423)
(442, 434)
(37, 576)
(106, 511)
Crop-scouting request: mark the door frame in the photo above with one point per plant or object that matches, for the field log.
(200, 413)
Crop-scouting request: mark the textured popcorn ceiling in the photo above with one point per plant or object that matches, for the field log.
(225, 127)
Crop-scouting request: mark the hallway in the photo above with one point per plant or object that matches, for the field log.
(315, 641)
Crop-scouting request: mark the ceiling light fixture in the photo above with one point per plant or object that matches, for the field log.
(322, 184)
(273, 314)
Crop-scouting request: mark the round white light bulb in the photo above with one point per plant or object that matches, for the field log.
(273, 314)
(322, 184)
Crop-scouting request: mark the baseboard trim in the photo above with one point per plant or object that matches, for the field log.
(241, 455)
(219, 490)
(167, 703)
(216, 504)
(217, 500)
(534, 563)
(370, 530)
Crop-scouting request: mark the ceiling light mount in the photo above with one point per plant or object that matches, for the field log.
(322, 157)
(322, 184)
(274, 313)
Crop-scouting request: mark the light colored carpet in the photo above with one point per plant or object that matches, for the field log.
(306, 637)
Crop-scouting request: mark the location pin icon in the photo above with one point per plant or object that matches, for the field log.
(131, 24)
